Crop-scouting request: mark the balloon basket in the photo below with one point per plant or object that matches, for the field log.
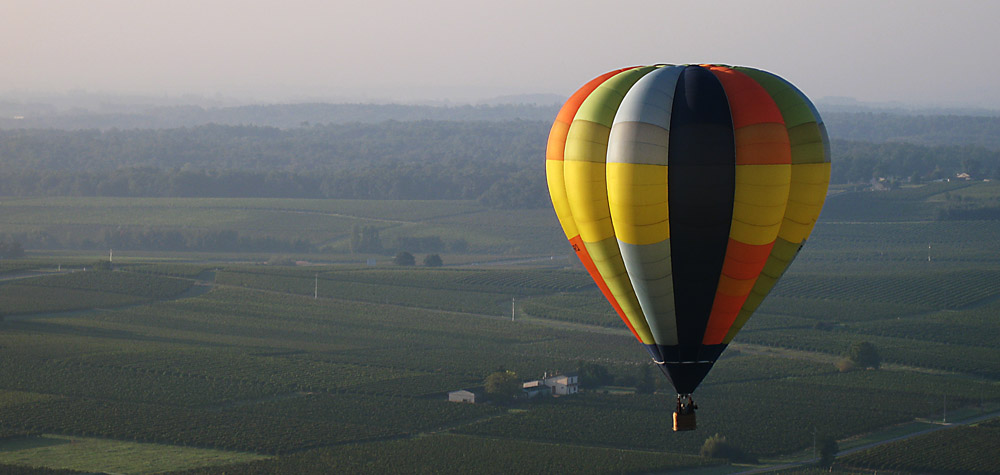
(684, 422)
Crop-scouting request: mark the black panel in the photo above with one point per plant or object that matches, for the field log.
(700, 187)
(686, 376)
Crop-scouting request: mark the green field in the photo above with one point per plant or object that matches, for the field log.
(219, 363)
(970, 450)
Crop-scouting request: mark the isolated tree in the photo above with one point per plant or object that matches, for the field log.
(717, 446)
(645, 384)
(828, 449)
(865, 355)
(404, 258)
(845, 365)
(433, 260)
(503, 385)
(365, 239)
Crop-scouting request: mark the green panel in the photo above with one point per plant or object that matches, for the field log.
(602, 104)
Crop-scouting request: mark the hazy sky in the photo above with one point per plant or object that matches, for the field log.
(922, 52)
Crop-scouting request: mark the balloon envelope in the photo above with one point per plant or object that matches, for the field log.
(686, 191)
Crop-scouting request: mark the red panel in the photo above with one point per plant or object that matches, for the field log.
(588, 263)
(745, 261)
(749, 101)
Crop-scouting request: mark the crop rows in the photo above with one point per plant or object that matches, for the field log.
(834, 310)
(127, 283)
(454, 300)
(229, 429)
(962, 450)
(980, 361)
(27, 299)
(276, 426)
(292, 372)
(938, 328)
(457, 454)
(12, 266)
(501, 280)
(737, 368)
(763, 418)
(126, 385)
(931, 385)
(13, 398)
(398, 414)
(939, 290)
(582, 307)
(169, 269)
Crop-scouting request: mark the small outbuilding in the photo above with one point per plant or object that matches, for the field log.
(462, 396)
(535, 388)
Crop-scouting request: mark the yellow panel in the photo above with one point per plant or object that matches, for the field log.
(637, 196)
(759, 202)
(557, 191)
(607, 259)
(805, 200)
(817, 173)
(586, 191)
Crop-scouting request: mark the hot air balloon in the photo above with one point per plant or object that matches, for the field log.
(686, 191)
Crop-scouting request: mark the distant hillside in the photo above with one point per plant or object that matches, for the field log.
(18, 116)
(876, 127)
(915, 129)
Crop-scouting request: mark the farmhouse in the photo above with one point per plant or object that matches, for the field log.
(462, 396)
(563, 384)
(556, 385)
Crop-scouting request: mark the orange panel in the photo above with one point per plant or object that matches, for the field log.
(732, 286)
(588, 263)
(749, 101)
(556, 148)
(560, 127)
(740, 270)
(763, 144)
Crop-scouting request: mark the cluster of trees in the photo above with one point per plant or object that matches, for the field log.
(404, 258)
(501, 185)
(10, 249)
(594, 375)
(861, 354)
(366, 239)
(858, 162)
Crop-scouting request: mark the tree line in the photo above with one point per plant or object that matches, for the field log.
(501, 164)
